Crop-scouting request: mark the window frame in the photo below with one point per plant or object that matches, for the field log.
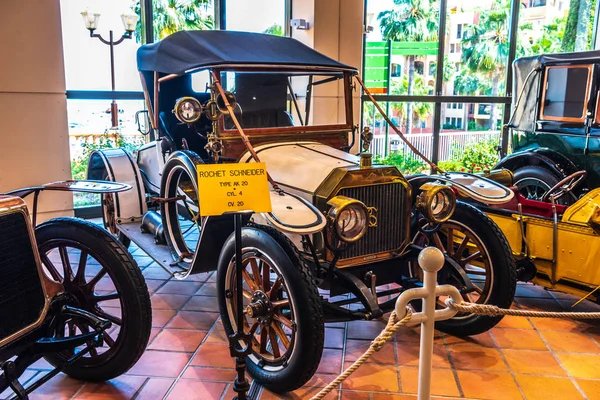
(543, 116)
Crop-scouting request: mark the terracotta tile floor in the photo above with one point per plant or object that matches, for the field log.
(187, 358)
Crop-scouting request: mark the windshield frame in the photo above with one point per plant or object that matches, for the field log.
(345, 77)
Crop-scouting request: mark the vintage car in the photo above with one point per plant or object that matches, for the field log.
(555, 123)
(69, 293)
(343, 235)
(554, 245)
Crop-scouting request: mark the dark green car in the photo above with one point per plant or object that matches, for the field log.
(555, 122)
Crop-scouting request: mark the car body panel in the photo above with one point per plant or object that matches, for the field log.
(577, 247)
(301, 166)
(118, 165)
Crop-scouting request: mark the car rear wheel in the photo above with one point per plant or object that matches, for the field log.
(479, 263)
(534, 182)
(180, 216)
(282, 309)
(101, 277)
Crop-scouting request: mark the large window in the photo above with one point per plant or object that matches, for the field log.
(266, 16)
(462, 104)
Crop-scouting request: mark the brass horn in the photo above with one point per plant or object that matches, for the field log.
(221, 103)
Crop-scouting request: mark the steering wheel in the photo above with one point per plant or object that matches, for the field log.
(565, 186)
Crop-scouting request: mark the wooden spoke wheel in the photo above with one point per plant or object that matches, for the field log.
(99, 276)
(479, 263)
(469, 265)
(268, 312)
(281, 306)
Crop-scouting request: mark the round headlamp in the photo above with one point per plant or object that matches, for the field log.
(436, 202)
(188, 110)
(348, 218)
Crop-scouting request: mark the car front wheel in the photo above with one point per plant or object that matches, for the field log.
(282, 310)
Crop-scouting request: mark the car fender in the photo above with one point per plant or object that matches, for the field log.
(118, 165)
(292, 214)
(541, 156)
(472, 186)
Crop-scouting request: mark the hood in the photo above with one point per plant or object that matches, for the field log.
(301, 166)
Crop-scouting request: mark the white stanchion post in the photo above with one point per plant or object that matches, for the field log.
(431, 260)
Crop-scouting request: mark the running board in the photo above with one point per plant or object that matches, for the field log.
(159, 253)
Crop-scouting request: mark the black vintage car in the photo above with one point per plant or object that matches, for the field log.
(555, 123)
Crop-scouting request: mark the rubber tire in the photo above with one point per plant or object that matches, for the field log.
(503, 266)
(187, 160)
(127, 277)
(309, 317)
(541, 173)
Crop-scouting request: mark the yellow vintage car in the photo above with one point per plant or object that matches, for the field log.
(555, 246)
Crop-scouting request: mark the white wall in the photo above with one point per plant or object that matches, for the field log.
(336, 30)
(34, 142)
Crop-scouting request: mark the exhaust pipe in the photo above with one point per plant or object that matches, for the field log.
(152, 223)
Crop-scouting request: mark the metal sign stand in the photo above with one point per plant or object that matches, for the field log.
(239, 342)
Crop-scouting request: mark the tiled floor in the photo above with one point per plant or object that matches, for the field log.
(188, 358)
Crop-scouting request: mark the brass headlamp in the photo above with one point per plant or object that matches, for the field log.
(436, 202)
(348, 218)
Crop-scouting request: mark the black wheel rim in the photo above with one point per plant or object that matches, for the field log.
(91, 286)
(269, 312)
(532, 188)
(183, 220)
(467, 252)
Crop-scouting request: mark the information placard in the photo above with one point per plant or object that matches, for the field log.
(236, 187)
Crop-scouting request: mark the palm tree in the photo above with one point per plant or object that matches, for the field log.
(485, 48)
(419, 111)
(409, 21)
(170, 16)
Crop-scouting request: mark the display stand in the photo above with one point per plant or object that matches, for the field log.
(239, 342)
(235, 190)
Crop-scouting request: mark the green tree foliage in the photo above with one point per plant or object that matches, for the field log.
(466, 83)
(568, 43)
(406, 163)
(409, 21)
(274, 29)
(473, 158)
(79, 165)
(485, 48)
(578, 26)
(420, 111)
(544, 40)
(171, 16)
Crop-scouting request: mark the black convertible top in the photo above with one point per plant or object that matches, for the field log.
(188, 51)
(528, 73)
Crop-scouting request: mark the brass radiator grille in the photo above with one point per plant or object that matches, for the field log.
(388, 204)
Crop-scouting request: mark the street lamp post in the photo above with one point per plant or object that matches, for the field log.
(129, 22)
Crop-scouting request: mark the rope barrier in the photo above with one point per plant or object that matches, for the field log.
(493, 311)
(464, 307)
(376, 345)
